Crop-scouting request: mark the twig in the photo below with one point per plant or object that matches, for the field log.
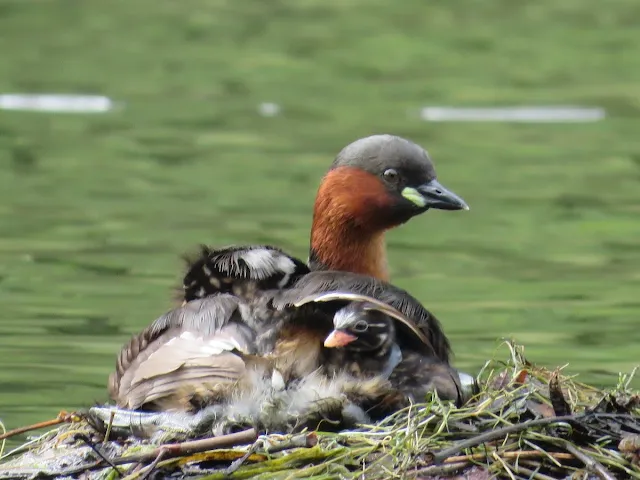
(504, 465)
(495, 434)
(558, 402)
(305, 440)
(543, 452)
(63, 417)
(558, 471)
(95, 449)
(195, 446)
(25, 446)
(109, 426)
(533, 474)
(154, 464)
(172, 450)
(236, 464)
(75, 470)
(592, 464)
(510, 456)
(434, 470)
(4, 430)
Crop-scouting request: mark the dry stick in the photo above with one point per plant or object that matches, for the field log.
(434, 470)
(75, 470)
(553, 469)
(511, 455)
(154, 464)
(495, 434)
(172, 450)
(109, 426)
(536, 454)
(62, 417)
(532, 473)
(507, 468)
(304, 440)
(93, 447)
(592, 464)
(136, 469)
(238, 463)
(465, 460)
(195, 446)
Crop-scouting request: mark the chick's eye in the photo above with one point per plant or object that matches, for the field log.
(360, 326)
(390, 174)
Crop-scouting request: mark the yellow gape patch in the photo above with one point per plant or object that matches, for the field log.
(414, 196)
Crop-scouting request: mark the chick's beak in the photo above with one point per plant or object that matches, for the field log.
(434, 195)
(338, 338)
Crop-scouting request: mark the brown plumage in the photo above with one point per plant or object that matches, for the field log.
(215, 348)
(242, 385)
(359, 216)
(190, 344)
(424, 328)
(208, 347)
(375, 184)
(356, 203)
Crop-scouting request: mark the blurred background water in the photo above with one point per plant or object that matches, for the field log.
(229, 112)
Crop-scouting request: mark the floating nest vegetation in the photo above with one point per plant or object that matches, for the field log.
(526, 422)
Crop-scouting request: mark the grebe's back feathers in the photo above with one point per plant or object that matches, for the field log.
(238, 269)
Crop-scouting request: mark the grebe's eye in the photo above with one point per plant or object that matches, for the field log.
(391, 174)
(360, 326)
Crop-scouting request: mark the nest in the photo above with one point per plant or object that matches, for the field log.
(526, 422)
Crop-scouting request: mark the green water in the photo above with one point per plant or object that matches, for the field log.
(95, 210)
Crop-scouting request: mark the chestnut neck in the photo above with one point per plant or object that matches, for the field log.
(349, 224)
